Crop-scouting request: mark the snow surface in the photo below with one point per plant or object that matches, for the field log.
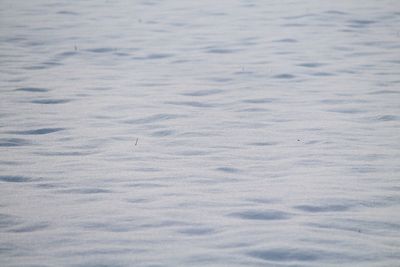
(268, 133)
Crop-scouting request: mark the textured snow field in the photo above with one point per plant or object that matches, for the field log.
(268, 133)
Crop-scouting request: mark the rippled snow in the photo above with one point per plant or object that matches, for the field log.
(268, 133)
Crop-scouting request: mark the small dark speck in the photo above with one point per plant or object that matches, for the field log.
(298, 140)
(137, 140)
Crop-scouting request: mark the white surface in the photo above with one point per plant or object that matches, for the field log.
(268, 133)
